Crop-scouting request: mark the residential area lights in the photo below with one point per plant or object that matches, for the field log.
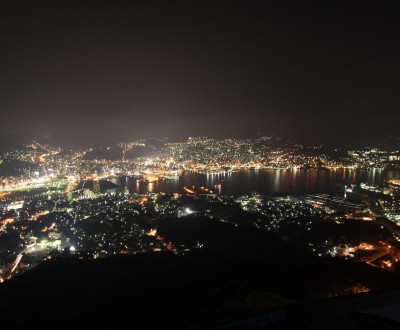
(47, 205)
(46, 166)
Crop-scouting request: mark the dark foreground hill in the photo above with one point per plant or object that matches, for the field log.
(239, 270)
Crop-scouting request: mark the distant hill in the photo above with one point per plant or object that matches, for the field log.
(109, 153)
(16, 168)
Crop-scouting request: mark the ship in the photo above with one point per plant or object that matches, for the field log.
(393, 183)
(149, 179)
(171, 177)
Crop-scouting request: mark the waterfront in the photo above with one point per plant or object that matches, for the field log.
(265, 181)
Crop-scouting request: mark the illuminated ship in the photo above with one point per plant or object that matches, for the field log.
(149, 179)
(393, 183)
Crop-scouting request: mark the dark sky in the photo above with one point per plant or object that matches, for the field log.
(87, 71)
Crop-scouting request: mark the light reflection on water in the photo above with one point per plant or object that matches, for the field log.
(265, 181)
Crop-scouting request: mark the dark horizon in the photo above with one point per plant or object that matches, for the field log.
(104, 71)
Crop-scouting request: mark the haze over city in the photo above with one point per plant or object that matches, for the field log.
(99, 71)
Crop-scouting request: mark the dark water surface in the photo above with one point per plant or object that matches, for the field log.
(265, 181)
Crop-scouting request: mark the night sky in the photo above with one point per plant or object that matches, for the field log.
(96, 71)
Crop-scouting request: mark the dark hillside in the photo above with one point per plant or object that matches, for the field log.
(239, 270)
